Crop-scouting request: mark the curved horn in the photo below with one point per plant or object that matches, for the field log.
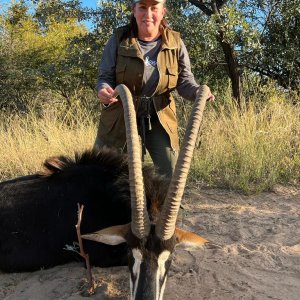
(165, 226)
(140, 223)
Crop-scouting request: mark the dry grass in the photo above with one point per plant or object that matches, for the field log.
(250, 149)
(27, 139)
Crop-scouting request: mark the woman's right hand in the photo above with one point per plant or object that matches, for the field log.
(106, 96)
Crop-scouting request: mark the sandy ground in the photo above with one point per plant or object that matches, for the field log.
(259, 256)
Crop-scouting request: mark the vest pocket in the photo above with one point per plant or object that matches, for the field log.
(109, 117)
(168, 117)
(172, 74)
(120, 73)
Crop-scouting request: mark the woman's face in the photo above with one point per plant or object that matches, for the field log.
(148, 15)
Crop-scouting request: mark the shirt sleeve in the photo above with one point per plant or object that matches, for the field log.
(107, 68)
(186, 85)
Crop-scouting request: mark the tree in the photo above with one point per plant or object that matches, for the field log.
(263, 36)
(14, 82)
(206, 56)
(58, 10)
(280, 40)
(40, 56)
(230, 27)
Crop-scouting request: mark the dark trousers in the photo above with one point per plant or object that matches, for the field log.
(158, 145)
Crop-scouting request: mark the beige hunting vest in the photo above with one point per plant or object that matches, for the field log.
(129, 71)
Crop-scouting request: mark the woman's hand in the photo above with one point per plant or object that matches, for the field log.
(106, 96)
(211, 97)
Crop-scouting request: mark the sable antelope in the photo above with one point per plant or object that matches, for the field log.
(38, 212)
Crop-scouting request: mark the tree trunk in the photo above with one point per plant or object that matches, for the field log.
(233, 68)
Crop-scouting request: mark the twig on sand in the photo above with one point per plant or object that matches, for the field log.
(92, 285)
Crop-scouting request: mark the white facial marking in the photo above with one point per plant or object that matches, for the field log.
(162, 290)
(137, 255)
(161, 270)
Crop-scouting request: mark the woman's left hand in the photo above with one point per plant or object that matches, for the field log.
(211, 97)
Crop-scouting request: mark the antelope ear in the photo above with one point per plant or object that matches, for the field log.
(114, 235)
(189, 239)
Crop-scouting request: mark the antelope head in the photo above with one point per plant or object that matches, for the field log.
(151, 246)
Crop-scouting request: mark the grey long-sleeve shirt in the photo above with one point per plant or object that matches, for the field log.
(186, 85)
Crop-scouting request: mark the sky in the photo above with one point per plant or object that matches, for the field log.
(85, 3)
(89, 3)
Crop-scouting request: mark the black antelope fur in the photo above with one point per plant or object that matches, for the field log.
(38, 213)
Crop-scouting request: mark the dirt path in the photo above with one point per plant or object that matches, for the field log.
(259, 256)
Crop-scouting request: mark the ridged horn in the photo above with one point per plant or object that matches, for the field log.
(140, 223)
(165, 226)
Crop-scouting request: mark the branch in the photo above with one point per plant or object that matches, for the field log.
(271, 12)
(215, 6)
(91, 288)
(203, 6)
(221, 3)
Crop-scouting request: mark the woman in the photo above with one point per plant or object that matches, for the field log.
(151, 60)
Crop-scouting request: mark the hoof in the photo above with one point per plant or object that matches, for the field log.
(210, 245)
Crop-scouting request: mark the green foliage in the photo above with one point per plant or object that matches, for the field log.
(278, 30)
(205, 54)
(18, 12)
(264, 36)
(215, 38)
(57, 10)
(53, 56)
(237, 29)
(281, 43)
(47, 47)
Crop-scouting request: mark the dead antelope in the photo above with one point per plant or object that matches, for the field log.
(150, 246)
(38, 212)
